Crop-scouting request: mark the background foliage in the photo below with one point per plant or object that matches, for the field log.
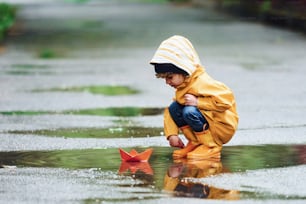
(7, 18)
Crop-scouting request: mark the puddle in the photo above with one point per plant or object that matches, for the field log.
(104, 90)
(29, 66)
(118, 111)
(48, 54)
(234, 158)
(28, 69)
(112, 132)
(174, 177)
(112, 111)
(243, 158)
(24, 112)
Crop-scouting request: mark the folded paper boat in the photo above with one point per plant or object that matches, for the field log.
(134, 156)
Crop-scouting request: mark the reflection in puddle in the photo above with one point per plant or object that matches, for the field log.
(117, 111)
(243, 158)
(112, 111)
(134, 167)
(163, 174)
(176, 180)
(104, 90)
(28, 69)
(122, 132)
(29, 66)
(234, 158)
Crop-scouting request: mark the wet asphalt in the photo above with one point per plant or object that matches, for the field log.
(111, 43)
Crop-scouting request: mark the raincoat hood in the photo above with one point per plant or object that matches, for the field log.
(179, 51)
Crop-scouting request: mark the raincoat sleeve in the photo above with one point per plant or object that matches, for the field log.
(170, 128)
(216, 99)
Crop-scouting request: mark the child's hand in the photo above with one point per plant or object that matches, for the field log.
(190, 100)
(175, 141)
(175, 170)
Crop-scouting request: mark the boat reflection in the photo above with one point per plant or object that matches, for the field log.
(134, 167)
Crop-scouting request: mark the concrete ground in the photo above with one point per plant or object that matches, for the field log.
(110, 42)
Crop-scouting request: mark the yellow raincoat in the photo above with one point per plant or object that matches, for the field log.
(215, 100)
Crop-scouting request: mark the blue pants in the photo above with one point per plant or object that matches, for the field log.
(188, 115)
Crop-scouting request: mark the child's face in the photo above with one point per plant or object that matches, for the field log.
(175, 80)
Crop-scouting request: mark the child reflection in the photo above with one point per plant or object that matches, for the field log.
(175, 180)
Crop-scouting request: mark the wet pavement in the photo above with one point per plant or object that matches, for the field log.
(60, 132)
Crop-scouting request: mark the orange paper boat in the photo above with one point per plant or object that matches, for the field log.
(134, 156)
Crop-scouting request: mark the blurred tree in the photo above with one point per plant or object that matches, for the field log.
(279, 12)
(7, 18)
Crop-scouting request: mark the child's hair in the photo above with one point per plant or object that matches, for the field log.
(163, 75)
(162, 70)
(166, 74)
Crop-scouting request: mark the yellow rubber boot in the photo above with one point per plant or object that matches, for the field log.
(191, 145)
(208, 148)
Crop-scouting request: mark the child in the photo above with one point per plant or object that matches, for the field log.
(203, 109)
